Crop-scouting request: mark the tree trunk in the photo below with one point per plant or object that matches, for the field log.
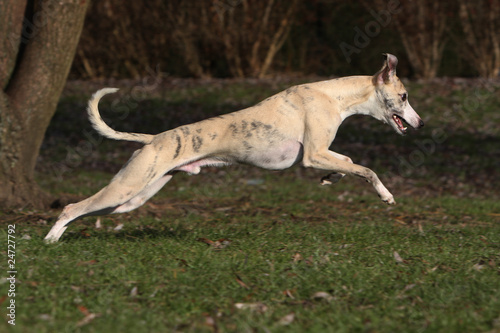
(37, 59)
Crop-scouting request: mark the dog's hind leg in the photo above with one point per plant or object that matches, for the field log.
(144, 196)
(87, 207)
(129, 189)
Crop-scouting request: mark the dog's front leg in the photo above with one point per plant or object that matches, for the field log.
(328, 160)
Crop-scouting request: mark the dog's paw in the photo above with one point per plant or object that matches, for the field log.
(50, 239)
(389, 200)
(331, 178)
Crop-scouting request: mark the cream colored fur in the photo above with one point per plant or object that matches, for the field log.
(297, 125)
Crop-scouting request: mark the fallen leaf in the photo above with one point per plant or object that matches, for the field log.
(398, 258)
(297, 257)
(287, 320)
(223, 209)
(478, 267)
(205, 240)
(75, 288)
(218, 244)
(45, 316)
(221, 243)
(258, 306)
(322, 295)
(241, 283)
(433, 269)
(84, 233)
(88, 318)
(289, 293)
(365, 307)
(85, 263)
(420, 227)
(83, 310)
(210, 321)
(133, 292)
(409, 287)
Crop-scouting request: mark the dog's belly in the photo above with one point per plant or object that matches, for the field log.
(273, 157)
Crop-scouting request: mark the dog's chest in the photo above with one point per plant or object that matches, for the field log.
(276, 157)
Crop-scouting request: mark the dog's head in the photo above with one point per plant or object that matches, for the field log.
(392, 98)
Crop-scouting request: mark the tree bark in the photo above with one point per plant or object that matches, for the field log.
(32, 84)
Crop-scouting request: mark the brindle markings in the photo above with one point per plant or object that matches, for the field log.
(291, 104)
(389, 102)
(185, 130)
(233, 128)
(245, 130)
(244, 125)
(197, 143)
(158, 144)
(247, 146)
(179, 145)
(150, 172)
(308, 99)
(291, 90)
(215, 118)
(258, 124)
(267, 100)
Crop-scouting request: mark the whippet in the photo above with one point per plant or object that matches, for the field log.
(294, 126)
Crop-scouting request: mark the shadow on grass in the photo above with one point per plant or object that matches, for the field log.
(135, 235)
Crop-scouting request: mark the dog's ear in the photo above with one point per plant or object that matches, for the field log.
(388, 70)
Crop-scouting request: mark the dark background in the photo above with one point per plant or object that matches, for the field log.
(216, 38)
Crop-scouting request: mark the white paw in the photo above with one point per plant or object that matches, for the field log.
(51, 238)
(331, 178)
(389, 200)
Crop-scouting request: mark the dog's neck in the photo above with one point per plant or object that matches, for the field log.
(360, 99)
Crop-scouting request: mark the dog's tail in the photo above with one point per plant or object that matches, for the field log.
(103, 129)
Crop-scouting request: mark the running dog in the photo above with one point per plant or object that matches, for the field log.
(297, 125)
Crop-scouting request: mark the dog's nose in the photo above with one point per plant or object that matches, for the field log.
(420, 123)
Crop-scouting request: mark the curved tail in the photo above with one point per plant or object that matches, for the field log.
(103, 129)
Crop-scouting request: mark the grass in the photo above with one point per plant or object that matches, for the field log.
(239, 249)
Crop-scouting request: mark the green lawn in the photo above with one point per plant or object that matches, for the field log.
(245, 250)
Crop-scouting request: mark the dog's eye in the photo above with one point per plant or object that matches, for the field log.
(404, 97)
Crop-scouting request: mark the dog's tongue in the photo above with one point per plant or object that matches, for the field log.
(399, 122)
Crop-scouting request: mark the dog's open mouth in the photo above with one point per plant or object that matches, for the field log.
(399, 123)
